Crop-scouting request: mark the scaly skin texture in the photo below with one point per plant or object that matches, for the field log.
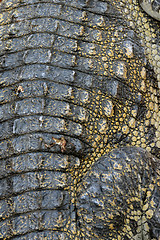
(80, 133)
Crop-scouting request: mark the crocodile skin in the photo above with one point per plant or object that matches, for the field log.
(79, 120)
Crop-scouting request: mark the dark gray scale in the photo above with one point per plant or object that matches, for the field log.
(51, 82)
(152, 7)
(117, 199)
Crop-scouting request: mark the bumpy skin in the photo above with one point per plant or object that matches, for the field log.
(79, 115)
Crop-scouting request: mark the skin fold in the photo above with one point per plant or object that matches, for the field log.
(79, 120)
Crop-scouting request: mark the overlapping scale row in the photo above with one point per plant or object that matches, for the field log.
(75, 83)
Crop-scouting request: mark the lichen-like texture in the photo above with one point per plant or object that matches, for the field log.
(79, 120)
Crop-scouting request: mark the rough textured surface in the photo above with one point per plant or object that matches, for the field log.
(119, 197)
(78, 79)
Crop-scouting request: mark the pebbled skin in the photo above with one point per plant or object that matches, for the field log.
(79, 131)
(119, 197)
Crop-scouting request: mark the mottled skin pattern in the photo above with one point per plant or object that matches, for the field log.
(80, 120)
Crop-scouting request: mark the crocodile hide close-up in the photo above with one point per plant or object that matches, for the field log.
(79, 120)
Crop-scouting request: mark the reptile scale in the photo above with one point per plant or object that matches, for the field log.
(79, 119)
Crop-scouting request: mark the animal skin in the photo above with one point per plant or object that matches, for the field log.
(79, 120)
